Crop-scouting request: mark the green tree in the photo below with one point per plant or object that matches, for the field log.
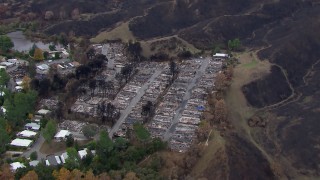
(120, 143)
(89, 131)
(57, 55)
(45, 54)
(32, 50)
(32, 69)
(49, 131)
(44, 172)
(73, 160)
(4, 137)
(69, 141)
(19, 106)
(34, 155)
(4, 77)
(104, 147)
(52, 47)
(5, 43)
(216, 50)
(141, 132)
(234, 44)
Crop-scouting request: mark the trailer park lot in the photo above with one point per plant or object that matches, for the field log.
(178, 105)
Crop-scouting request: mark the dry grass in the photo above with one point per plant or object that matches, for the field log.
(215, 143)
(53, 147)
(120, 32)
(147, 44)
(246, 72)
(172, 160)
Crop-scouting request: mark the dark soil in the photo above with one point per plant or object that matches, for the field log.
(84, 28)
(298, 133)
(246, 161)
(267, 91)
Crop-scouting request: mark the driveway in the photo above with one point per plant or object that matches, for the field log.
(36, 147)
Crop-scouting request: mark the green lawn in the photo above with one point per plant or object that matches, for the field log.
(251, 64)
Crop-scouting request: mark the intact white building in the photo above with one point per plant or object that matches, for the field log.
(63, 157)
(21, 142)
(57, 159)
(221, 56)
(84, 152)
(43, 112)
(32, 126)
(27, 134)
(62, 135)
(16, 165)
(43, 67)
(34, 163)
(7, 64)
(18, 88)
(19, 82)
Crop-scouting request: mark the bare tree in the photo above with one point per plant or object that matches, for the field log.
(203, 131)
(92, 86)
(220, 82)
(107, 112)
(147, 109)
(220, 111)
(173, 69)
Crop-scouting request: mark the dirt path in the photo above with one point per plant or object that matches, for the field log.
(215, 143)
(239, 111)
(305, 81)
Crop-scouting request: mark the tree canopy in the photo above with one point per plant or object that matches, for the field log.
(234, 44)
(4, 77)
(5, 43)
(141, 132)
(89, 131)
(49, 131)
(19, 105)
(4, 137)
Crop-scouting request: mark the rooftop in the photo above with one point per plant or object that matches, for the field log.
(33, 126)
(21, 142)
(16, 165)
(43, 111)
(27, 133)
(33, 163)
(62, 134)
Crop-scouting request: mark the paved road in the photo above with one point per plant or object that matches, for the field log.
(186, 97)
(110, 60)
(133, 102)
(36, 147)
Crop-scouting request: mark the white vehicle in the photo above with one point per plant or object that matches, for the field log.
(50, 60)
